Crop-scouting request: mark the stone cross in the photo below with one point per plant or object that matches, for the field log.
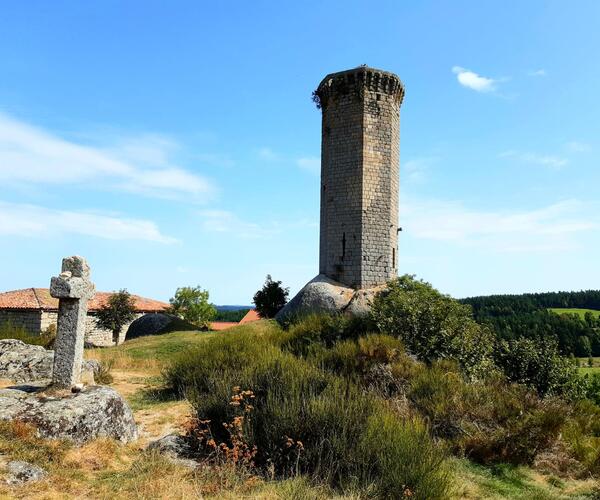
(73, 288)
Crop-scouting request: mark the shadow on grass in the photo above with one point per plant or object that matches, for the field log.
(151, 397)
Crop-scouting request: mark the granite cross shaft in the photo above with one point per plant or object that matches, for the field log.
(73, 289)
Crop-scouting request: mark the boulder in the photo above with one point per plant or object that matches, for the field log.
(177, 448)
(322, 295)
(24, 472)
(157, 324)
(23, 362)
(96, 411)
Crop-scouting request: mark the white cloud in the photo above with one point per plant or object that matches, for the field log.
(32, 155)
(548, 228)
(538, 72)
(552, 161)
(578, 147)
(311, 164)
(416, 170)
(473, 81)
(35, 221)
(223, 221)
(267, 154)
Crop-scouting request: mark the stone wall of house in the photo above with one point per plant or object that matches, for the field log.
(359, 176)
(36, 321)
(94, 336)
(30, 320)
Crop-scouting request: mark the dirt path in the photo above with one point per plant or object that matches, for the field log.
(156, 420)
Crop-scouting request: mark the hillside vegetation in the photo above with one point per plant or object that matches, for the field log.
(417, 401)
(572, 318)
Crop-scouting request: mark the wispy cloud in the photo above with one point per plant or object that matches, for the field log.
(538, 72)
(224, 221)
(416, 169)
(548, 228)
(578, 147)
(474, 81)
(551, 161)
(31, 155)
(267, 154)
(311, 164)
(36, 221)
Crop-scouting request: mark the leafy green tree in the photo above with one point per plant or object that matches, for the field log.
(432, 325)
(538, 364)
(118, 311)
(270, 298)
(191, 304)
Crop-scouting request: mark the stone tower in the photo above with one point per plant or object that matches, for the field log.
(359, 176)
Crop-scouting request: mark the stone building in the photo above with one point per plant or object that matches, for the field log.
(35, 310)
(360, 138)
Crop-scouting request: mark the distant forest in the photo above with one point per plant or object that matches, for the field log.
(527, 315)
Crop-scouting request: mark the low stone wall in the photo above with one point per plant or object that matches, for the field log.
(30, 320)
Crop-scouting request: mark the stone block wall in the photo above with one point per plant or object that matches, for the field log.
(359, 176)
(36, 321)
(28, 319)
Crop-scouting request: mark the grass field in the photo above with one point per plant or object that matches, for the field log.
(105, 469)
(578, 312)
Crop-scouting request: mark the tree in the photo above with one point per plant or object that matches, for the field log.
(432, 325)
(191, 304)
(118, 311)
(270, 298)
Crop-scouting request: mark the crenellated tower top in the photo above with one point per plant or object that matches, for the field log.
(357, 80)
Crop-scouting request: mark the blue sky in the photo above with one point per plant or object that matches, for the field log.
(175, 143)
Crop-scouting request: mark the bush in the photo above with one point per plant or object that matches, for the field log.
(490, 422)
(329, 419)
(538, 364)
(433, 326)
(401, 459)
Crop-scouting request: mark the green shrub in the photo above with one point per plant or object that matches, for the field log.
(538, 364)
(323, 330)
(332, 418)
(582, 435)
(432, 325)
(10, 331)
(490, 422)
(402, 460)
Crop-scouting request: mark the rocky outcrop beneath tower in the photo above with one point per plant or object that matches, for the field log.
(322, 295)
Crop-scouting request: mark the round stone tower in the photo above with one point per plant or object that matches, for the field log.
(360, 139)
(359, 175)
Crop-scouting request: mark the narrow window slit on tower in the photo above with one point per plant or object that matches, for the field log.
(393, 258)
(343, 245)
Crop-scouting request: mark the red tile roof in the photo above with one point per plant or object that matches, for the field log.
(251, 315)
(217, 326)
(39, 298)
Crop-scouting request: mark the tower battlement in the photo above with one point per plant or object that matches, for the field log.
(359, 175)
(358, 80)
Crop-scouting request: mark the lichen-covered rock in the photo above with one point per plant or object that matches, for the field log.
(23, 362)
(324, 295)
(24, 472)
(96, 411)
(177, 448)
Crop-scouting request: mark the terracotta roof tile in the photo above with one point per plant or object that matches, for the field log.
(39, 298)
(251, 315)
(217, 326)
